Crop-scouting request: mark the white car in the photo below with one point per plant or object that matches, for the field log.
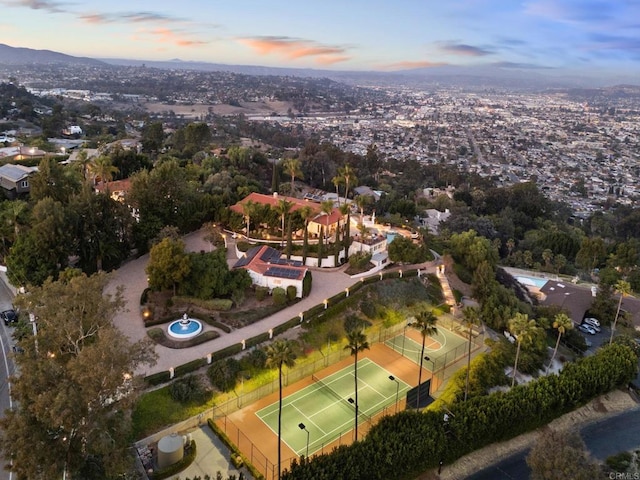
(596, 327)
(592, 321)
(586, 328)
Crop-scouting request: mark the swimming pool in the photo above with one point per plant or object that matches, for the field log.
(532, 281)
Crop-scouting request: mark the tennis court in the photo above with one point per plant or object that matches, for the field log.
(441, 348)
(321, 412)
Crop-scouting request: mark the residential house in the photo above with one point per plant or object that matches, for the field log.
(268, 269)
(329, 223)
(14, 179)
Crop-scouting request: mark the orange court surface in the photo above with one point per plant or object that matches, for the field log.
(254, 428)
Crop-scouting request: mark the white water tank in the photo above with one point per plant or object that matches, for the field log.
(170, 450)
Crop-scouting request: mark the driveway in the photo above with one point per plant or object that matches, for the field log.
(326, 283)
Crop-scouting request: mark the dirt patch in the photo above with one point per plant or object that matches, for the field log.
(199, 110)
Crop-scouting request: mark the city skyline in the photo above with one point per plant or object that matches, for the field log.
(563, 37)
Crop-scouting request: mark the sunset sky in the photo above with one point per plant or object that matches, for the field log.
(554, 36)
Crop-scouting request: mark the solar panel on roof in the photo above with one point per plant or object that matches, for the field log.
(282, 272)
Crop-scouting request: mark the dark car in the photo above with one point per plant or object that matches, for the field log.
(9, 316)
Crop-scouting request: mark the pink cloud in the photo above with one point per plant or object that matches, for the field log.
(294, 49)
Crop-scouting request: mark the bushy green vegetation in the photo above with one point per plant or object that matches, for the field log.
(403, 445)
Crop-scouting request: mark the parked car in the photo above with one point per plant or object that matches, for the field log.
(592, 321)
(592, 324)
(586, 328)
(9, 316)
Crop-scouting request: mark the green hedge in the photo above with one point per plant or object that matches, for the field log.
(172, 470)
(225, 352)
(158, 378)
(222, 326)
(403, 446)
(234, 450)
(189, 367)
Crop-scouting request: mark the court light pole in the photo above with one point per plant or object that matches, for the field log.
(432, 371)
(394, 379)
(302, 426)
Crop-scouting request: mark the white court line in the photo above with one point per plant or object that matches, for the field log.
(308, 418)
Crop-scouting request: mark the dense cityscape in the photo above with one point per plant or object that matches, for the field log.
(269, 235)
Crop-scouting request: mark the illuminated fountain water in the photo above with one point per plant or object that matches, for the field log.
(184, 328)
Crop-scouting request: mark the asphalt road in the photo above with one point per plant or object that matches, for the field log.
(6, 364)
(603, 438)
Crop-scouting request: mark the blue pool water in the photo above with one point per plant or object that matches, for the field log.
(532, 281)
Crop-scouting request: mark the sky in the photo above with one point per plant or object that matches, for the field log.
(554, 36)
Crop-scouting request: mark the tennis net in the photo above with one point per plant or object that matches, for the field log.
(340, 397)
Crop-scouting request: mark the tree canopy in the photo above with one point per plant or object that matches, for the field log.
(75, 387)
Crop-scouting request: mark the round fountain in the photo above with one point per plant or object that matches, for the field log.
(184, 328)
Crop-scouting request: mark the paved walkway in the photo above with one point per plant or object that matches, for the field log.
(326, 283)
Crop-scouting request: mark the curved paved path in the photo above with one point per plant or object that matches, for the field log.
(326, 283)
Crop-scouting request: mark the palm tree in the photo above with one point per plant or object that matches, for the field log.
(291, 167)
(425, 323)
(471, 318)
(249, 209)
(362, 201)
(280, 354)
(345, 209)
(84, 162)
(622, 288)
(337, 181)
(307, 214)
(562, 323)
(523, 329)
(349, 176)
(327, 208)
(283, 207)
(103, 167)
(356, 342)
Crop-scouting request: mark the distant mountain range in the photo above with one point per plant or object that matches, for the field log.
(27, 56)
(479, 77)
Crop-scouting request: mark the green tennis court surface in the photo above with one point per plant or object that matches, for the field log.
(449, 346)
(324, 408)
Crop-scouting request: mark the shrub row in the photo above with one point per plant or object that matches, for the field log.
(403, 445)
(235, 452)
(217, 304)
(158, 336)
(172, 470)
(338, 303)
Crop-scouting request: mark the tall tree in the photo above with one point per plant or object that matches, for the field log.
(348, 175)
(280, 354)
(292, 168)
(326, 207)
(471, 318)
(102, 167)
(345, 209)
(283, 208)
(562, 323)
(168, 264)
(75, 390)
(307, 214)
(523, 329)
(249, 209)
(362, 201)
(425, 323)
(356, 343)
(622, 288)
